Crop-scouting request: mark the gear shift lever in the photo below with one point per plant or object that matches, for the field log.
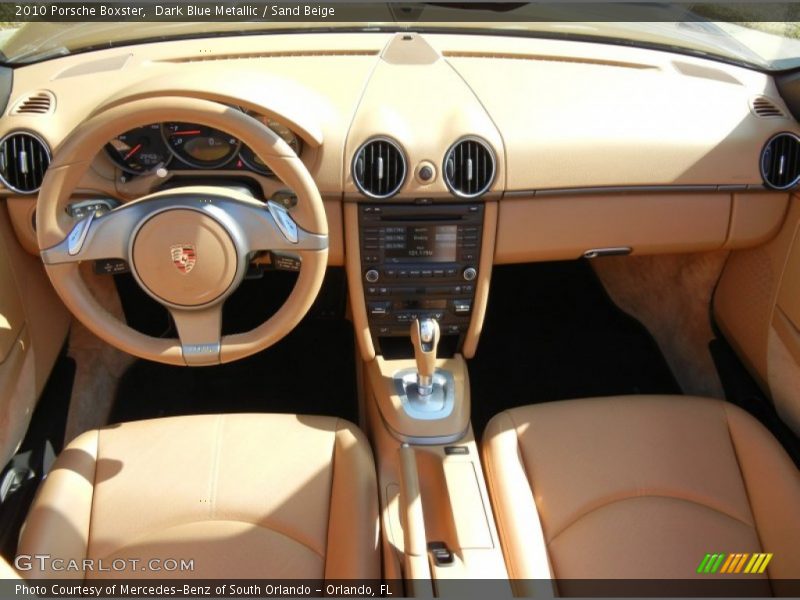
(425, 338)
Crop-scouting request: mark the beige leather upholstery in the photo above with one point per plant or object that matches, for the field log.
(244, 496)
(639, 487)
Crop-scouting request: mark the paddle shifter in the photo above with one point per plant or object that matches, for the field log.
(425, 338)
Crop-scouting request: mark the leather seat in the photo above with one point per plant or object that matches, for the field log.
(244, 496)
(639, 487)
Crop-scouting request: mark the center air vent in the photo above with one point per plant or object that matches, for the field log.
(379, 168)
(469, 167)
(780, 161)
(24, 158)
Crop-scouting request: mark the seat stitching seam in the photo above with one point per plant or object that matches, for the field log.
(744, 480)
(501, 525)
(94, 489)
(330, 494)
(528, 478)
(214, 520)
(212, 493)
(637, 496)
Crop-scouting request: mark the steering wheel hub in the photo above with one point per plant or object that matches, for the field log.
(184, 258)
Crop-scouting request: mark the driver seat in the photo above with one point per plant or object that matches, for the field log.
(243, 496)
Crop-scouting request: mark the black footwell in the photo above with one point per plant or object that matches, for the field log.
(552, 333)
(43, 441)
(311, 371)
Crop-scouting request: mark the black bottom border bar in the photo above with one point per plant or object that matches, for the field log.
(711, 587)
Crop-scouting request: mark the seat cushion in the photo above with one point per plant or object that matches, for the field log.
(639, 487)
(242, 496)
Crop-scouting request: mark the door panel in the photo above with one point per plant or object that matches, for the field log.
(33, 327)
(757, 306)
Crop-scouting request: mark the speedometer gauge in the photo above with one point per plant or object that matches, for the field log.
(254, 162)
(139, 150)
(200, 146)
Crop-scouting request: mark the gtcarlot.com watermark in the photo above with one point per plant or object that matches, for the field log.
(46, 563)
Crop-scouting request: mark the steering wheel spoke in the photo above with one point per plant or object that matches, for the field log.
(95, 237)
(272, 227)
(200, 334)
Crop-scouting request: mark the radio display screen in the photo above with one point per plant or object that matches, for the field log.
(420, 243)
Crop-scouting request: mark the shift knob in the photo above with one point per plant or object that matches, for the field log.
(425, 338)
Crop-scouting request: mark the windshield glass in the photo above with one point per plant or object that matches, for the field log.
(731, 32)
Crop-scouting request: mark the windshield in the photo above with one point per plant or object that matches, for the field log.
(735, 33)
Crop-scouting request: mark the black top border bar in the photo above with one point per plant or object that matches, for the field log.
(401, 13)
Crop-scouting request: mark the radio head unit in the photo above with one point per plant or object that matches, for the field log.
(419, 262)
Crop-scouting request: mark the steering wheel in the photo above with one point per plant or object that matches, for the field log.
(188, 248)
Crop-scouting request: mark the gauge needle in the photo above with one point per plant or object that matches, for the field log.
(133, 151)
(187, 132)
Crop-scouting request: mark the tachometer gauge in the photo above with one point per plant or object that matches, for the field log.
(200, 146)
(139, 150)
(254, 162)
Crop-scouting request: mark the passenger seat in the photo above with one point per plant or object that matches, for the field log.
(639, 487)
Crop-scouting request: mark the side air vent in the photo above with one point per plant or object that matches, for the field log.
(780, 161)
(469, 167)
(379, 168)
(24, 158)
(765, 107)
(38, 103)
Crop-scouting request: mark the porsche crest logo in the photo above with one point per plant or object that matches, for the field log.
(184, 257)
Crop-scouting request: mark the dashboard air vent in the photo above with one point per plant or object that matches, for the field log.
(379, 168)
(780, 161)
(38, 103)
(765, 107)
(24, 158)
(469, 167)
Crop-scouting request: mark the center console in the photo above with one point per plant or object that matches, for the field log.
(419, 262)
(418, 274)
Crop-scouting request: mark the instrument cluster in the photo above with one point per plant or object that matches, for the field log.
(187, 146)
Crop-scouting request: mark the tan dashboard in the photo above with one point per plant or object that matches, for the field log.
(594, 145)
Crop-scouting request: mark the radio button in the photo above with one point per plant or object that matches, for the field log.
(438, 272)
(379, 309)
(427, 273)
(469, 274)
(391, 273)
(414, 273)
(372, 275)
(403, 273)
(462, 307)
(451, 272)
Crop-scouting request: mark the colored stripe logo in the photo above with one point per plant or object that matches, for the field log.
(732, 564)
